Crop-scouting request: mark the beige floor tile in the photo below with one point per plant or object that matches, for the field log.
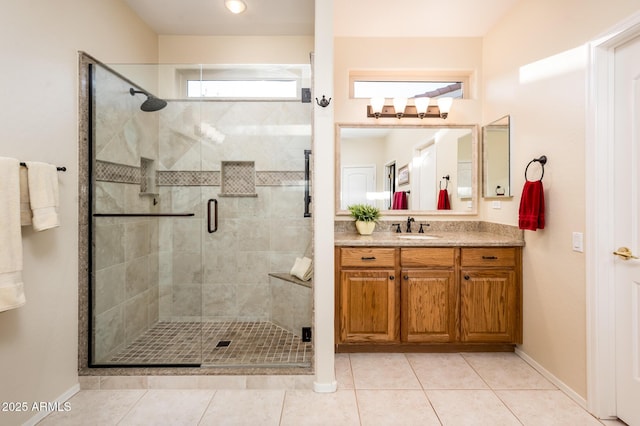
(169, 407)
(305, 408)
(395, 407)
(546, 408)
(506, 371)
(95, 407)
(470, 407)
(383, 371)
(344, 377)
(244, 407)
(445, 371)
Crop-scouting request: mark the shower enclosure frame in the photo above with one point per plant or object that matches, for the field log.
(86, 367)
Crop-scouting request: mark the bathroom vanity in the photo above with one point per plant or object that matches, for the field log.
(437, 292)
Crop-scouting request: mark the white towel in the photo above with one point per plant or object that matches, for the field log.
(43, 195)
(302, 268)
(11, 287)
(25, 204)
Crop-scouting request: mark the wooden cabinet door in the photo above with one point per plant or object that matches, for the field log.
(488, 306)
(368, 311)
(429, 301)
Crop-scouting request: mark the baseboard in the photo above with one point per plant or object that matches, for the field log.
(553, 379)
(59, 400)
(325, 387)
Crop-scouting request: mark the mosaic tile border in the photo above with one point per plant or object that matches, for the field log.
(188, 178)
(113, 172)
(288, 178)
(121, 173)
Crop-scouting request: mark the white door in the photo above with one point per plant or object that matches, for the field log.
(356, 182)
(627, 229)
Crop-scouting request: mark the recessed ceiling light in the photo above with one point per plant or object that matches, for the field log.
(235, 6)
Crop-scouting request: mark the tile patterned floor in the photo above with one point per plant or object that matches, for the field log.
(250, 344)
(373, 389)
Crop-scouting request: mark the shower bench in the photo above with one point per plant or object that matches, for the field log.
(290, 301)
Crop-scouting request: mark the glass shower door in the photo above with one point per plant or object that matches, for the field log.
(146, 270)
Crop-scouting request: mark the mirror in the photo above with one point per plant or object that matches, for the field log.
(496, 176)
(404, 169)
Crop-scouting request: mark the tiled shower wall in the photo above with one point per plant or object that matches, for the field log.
(148, 268)
(125, 268)
(224, 275)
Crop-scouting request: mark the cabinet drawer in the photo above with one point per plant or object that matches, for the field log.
(416, 257)
(368, 257)
(498, 256)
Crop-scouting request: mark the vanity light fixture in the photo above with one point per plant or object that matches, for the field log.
(422, 104)
(445, 106)
(377, 104)
(235, 6)
(399, 105)
(400, 109)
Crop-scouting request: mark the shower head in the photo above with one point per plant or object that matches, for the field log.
(152, 103)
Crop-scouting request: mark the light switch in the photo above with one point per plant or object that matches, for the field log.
(496, 204)
(577, 241)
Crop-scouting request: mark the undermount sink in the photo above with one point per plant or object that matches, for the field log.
(418, 237)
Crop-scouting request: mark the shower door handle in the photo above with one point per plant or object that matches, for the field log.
(215, 215)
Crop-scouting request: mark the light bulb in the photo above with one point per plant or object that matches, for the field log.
(376, 106)
(422, 105)
(235, 6)
(445, 106)
(399, 104)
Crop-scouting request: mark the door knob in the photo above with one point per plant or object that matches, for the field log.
(624, 253)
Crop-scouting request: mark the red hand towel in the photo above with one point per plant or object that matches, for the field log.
(400, 201)
(531, 214)
(443, 200)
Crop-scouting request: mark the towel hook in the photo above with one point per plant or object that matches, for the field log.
(542, 160)
(446, 179)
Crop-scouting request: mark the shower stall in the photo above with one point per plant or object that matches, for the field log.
(197, 214)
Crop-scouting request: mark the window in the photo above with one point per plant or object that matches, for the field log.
(407, 89)
(409, 84)
(281, 89)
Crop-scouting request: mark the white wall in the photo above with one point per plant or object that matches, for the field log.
(535, 63)
(39, 41)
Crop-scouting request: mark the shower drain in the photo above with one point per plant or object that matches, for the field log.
(223, 343)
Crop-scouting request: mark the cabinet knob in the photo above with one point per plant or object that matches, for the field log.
(467, 277)
(392, 278)
(406, 277)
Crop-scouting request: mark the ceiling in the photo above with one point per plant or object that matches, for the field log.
(210, 17)
(353, 18)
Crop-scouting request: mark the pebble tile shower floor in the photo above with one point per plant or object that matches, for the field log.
(249, 344)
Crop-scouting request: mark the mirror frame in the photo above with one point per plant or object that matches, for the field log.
(484, 188)
(475, 145)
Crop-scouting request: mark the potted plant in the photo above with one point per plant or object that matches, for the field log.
(366, 217)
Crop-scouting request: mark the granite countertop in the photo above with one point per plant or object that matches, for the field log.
(434, 239)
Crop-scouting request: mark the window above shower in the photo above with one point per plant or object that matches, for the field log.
(244, 82)
(228, 82)
(247, 89)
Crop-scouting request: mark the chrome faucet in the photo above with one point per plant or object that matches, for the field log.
(409, 220)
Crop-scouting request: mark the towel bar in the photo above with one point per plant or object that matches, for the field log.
(143, 214)
(60, 169)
